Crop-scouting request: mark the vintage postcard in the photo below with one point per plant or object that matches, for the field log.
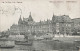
(39, 25)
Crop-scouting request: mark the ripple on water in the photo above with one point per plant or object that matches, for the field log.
(11, 50)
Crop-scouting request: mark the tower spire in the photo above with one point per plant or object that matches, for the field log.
(30, 13)
(53, 17)
(30, 17)
(20, 20)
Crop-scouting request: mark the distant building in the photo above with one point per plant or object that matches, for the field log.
(14, 28)
(29, 25)
(61, 24)
(76, 24)
(58, 25)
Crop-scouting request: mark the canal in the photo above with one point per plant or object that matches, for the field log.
(45, 46)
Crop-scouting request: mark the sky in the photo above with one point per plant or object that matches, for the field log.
(10, 10)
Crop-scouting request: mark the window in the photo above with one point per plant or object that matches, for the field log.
(66, 24)
(69, 25)
(57, 24)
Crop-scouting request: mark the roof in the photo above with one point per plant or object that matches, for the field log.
(25, 19)
(62, 18)
(43, 22)
(76, 20)
(5, 39)
(14, 26)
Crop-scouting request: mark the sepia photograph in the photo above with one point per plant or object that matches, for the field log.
(39, 25)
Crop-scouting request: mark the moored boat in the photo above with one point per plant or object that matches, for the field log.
(28, 43)
(6, 43)
(6, 46)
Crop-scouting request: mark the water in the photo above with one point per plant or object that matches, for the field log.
(17, 48)
(42, 45)
(11, 50)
